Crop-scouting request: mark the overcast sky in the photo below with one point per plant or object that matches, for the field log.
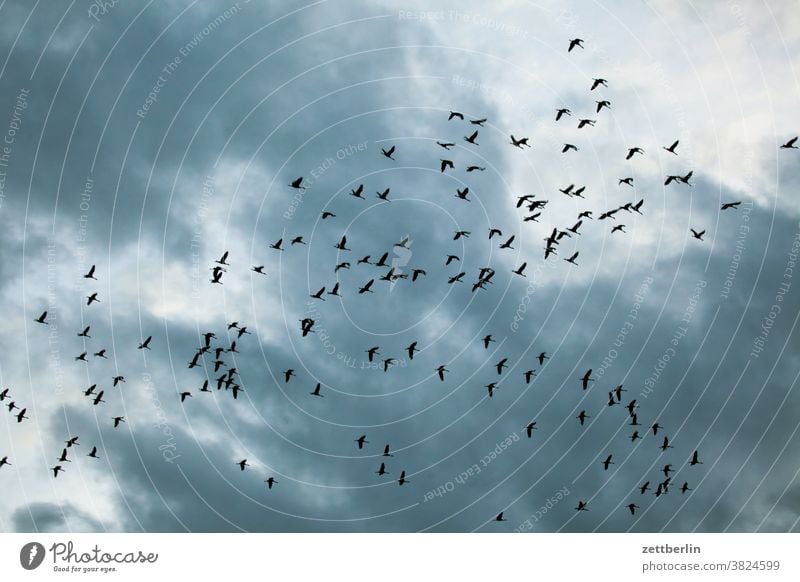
(149, 139)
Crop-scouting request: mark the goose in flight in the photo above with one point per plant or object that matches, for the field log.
(63, 458)
(372, 352)
(633, 507)
(626, 181)
(695, 460)
(4, 394)
(644, 487)
(685, 487)
(72, 442)
(388, 153)
(528, 375)
(98, 398)
(366, 287)
(383, 195)
(316, 390)
(90, 274)
(56, 470)
(346, 265)
(277, 245)
(542, 357)
(565, 149)
(500, 517)
(520, 270)
(597, 82)
(388, 362)
(487, 340)
(671, 149)
(93, 453)
(402, 480)
(145, 345)
(223, 259)
(575, 42)
(297, 184)
(306, 325)
(270, 481)
(601, 104)
(318, 294)
(42, 318)
(361, 440)
(358, 192)
(446, 164)
(507, 244)
(529, 428)
(441, 370)
(473, 168)
(471, 138)
(584, 122)
(789, 145)
(683, 179)
(454, 114)
(562, 112)
(697, 235)
(581, 506)
(4, 461)
(665, 444)
(242, 464)
(382, 469)
(21, 416)
(386, 452)
(582, 417)
(520, 143)
(412, 349)
(608, 462)
(81, 357)
(633, 151)
(618, 228)
(85, 332)
(445, 145)
(572, 258)
(342, 244)
(327, 214)
(727, 205)
(461, 233)
(478, 122)
(587, 377)
(298, 240)
(462, 194)
(117, 420)
(185, 395)
(491, 388)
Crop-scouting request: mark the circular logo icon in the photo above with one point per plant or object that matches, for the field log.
(31, 555)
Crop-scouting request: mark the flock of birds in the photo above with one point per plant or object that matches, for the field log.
(210, 356)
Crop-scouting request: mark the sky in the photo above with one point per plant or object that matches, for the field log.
(147, 139)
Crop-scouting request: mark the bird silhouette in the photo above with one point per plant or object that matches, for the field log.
(575, 42)
(388, 153)
(671, 149)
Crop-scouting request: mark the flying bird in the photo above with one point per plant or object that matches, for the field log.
(388, 153)
(575, 42)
